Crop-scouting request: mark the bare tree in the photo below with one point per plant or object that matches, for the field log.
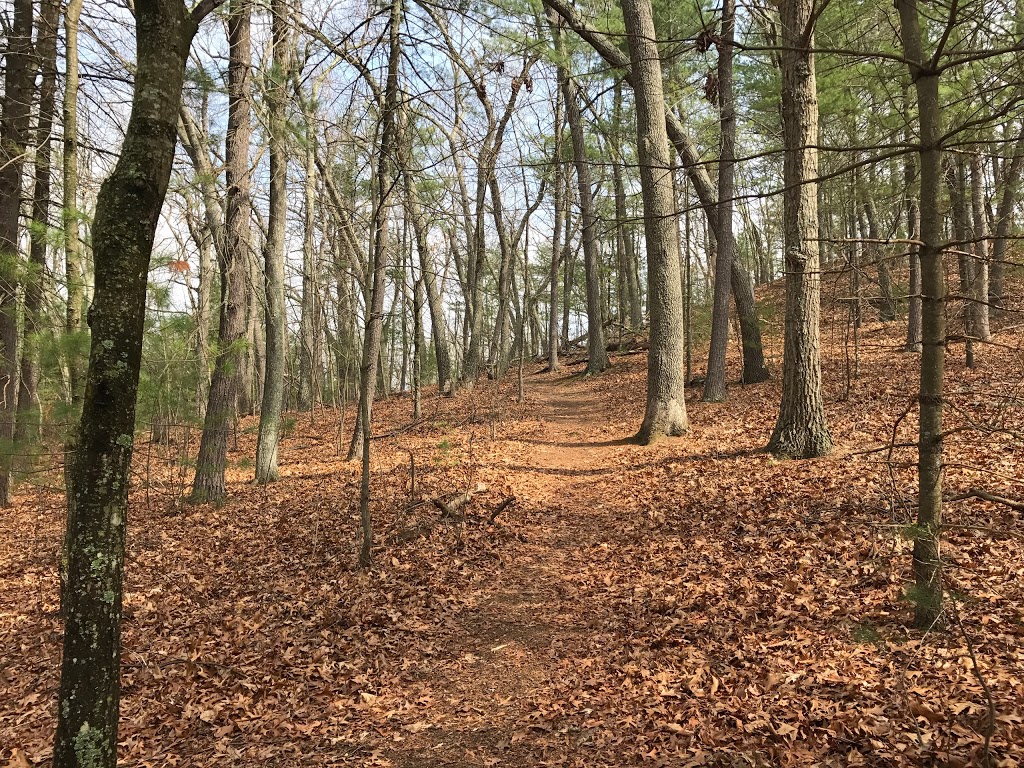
(226, 381)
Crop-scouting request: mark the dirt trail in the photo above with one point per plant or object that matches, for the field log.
(529, 619)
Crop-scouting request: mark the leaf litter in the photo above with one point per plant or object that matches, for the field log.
(691, 603)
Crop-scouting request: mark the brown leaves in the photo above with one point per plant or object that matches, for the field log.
(694, 603)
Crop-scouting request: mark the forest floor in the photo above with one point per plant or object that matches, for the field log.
(695, 602)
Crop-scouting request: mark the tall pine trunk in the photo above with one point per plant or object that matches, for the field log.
(800, 430)
(927, 591)
(556, 237)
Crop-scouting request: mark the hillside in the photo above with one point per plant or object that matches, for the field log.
(692, 603)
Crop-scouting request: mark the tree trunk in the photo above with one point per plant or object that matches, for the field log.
(714, 383)
(913, 233)
(500, 339)
(427, 267)
(629, 299)
(28, 397)
(74, 277)
(597, 353)
(694, 165)
(195, 138)
(203, 315)
(273, 255)
(978, 295)
(1010, 181)
(556, 236)
(418, 343)
(127, 213)
(371, 338)
(226, 382)
(960, 215)
(14, 127)
(665, 413)
(887, 309)
(309, 358)
(800, 431)
(927, 593)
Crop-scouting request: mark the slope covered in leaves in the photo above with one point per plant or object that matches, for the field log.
(691, 603)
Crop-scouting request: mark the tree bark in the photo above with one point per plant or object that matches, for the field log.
(1010, 182)
(207, 234)
(753, 355)
(14, 127)
(979, 235)
(273, 255)
(374, 315)
(960, 216)
(428, 269)
(556, 236)
(28, 421)
(226, 382)
(714, 382)
(887, 309)
(74, 277)
(800, 430)
(665, 413)
(927, 593)
(597, 353)
(127, 212)
(309, 348)
(629, 289)
(913, 233)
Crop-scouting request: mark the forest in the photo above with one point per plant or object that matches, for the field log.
(511, 383)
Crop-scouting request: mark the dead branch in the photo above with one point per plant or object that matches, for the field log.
(450, 507)
(977, 493)
(501, 508)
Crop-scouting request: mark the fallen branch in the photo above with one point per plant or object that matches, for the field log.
(449, 508)
(501, 508)
(977, 493)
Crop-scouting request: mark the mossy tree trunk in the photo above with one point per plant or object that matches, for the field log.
(127, 212)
